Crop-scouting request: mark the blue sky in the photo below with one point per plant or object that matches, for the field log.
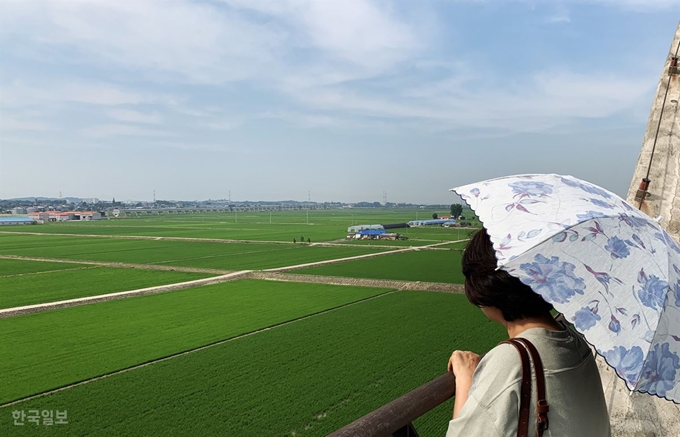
(345, 99)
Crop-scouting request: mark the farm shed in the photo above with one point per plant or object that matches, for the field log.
(87, 215)
(358, 228)
(395, 226)
(435, 222)
(12, 221)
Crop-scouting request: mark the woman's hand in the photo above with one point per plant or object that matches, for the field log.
(463, 365)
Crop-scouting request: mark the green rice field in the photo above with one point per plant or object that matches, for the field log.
(423, 265)
(91, 340)
(282, 226)
(250, 357)
(307, 378)
(13, 267)
(56, 285)
(225, 256)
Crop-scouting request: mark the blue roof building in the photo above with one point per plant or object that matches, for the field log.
(8, 221)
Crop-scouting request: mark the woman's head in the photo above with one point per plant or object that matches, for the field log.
(487, 287)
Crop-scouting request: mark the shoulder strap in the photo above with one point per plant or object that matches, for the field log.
(541, 402)
(525, 393)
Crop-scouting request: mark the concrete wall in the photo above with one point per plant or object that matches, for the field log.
(637, 414)
(664, 189)
(640, 414)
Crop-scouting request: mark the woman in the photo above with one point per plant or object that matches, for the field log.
(488, 388)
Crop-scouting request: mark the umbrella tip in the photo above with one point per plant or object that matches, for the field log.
(658, 219)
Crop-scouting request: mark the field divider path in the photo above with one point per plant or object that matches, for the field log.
(351, 258)
(222, 240)
(224, 276)
(15, 275)
(199, 348)
(121, 265)
(28, 309)
(148, 237)
(362, 282)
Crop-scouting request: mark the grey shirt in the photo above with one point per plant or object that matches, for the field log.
(573, 390)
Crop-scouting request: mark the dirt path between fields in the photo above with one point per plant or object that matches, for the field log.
(121, 265)
(224, 276)
(361, 282)
(197, 349)
(148, 237)
(28, 309)
(15, 275)
(227, 241)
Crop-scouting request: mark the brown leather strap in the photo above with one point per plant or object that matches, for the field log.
(542, 407)
(525, 392)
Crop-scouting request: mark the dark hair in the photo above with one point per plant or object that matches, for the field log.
(486, 286)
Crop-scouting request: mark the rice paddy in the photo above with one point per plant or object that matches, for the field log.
(246, 357)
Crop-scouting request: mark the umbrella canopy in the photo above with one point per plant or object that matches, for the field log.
(610, 269)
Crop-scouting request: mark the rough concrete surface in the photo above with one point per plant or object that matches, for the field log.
(637, 414)
(660, 153)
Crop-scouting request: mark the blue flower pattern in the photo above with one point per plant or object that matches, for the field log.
(601, 204)
(617, 248)
(585, 318)
(531, 188)
(590, 215)
(552, 279)
(653, 291)
(661, 366)
(585, 186)
(628, 363)
(602, 263)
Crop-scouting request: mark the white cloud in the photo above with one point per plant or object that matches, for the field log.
(638, 5)
(561, 15)
(20, 94)
(130, 116)
(209, 43)
(359, 31)
(172, 40)
(112, 130)
(8, 123)
(302, 119)
(218, 125)
(545, 100)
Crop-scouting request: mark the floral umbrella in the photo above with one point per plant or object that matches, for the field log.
(610, 269)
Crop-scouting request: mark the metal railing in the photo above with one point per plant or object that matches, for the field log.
(394, 419)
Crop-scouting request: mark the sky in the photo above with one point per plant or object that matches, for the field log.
(329, 100)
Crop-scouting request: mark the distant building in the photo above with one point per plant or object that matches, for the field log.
(18, 210)
(87, 215)
(40, 217)
(11, 221)
(359, 228)
(434, 222)
(57, 216)
(374, 234)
